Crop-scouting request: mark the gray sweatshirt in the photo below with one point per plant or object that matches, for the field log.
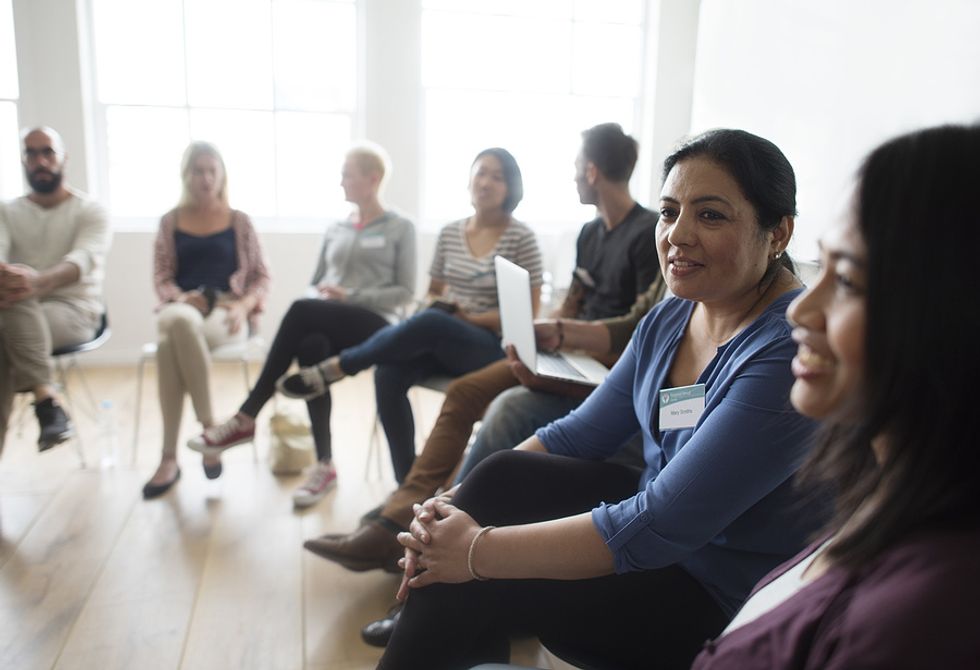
(376, 264)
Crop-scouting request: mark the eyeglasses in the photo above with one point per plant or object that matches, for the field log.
(32, 155)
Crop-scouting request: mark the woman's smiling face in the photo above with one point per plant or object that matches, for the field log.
(711, 246)
(829, 320)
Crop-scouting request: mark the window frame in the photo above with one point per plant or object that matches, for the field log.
(100, 180)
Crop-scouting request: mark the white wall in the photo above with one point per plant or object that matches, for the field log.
(829, 80)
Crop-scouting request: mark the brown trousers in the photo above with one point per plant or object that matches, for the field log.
(467, 399)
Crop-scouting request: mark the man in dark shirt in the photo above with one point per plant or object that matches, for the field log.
(616, 258)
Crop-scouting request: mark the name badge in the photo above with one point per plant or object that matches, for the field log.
(681, 407)
(373, 242)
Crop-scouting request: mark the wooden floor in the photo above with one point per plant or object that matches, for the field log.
(212, 575)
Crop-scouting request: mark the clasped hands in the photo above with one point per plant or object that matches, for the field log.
(436, 545)
(17, 282)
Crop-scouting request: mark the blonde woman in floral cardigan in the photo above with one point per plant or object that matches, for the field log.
(211, 280)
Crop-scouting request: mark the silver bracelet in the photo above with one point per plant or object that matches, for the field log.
(469, 556)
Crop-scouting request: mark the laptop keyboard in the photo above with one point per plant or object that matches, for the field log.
(554, 365)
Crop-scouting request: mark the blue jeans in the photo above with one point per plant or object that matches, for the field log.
(429, 343)
(511, 418)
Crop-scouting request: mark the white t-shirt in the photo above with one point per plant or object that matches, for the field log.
(776, 592)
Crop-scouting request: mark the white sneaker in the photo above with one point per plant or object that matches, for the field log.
(321, 479)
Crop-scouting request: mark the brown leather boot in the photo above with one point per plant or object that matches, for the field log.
(370, 547)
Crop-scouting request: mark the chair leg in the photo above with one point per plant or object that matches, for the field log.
(139, 407)
(248, 387)
(62, 372)
(374, 450)
(93, 406)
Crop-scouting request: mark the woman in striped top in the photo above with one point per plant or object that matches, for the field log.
(459, 331)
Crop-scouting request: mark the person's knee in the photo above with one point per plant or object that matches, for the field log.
(179, 319)
(509, 403)
(392, 379)
(496, 473)
(506, 415)
(429, 320)
(466, 395)
(312, 349)
(301, 310)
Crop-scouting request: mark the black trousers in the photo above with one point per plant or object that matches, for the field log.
(311, 331)
(648, 619)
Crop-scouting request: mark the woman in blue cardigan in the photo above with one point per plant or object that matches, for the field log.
(616, 567)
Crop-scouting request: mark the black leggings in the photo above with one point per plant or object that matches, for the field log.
(649, 619)
(311, 331)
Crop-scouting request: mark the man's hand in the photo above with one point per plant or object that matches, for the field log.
(537, 383)
(522, 372)
(17, 282)
(546, 334)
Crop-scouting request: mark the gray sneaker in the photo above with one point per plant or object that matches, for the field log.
(321, 480)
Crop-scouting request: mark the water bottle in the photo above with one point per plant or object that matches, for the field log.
(108, 435)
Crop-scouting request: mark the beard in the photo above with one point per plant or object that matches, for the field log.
(44, 186)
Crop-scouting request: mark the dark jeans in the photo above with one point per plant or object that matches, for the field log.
(648, 619)
(311, 331)
(432, 342)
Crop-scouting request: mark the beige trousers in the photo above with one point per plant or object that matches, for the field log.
(29, 330)
(185, 340)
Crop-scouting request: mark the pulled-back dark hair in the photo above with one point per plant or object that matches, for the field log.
(915, 206)
(611, 150)
(512, 176)
(759, 168)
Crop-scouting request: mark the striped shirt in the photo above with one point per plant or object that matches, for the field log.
(472, 282)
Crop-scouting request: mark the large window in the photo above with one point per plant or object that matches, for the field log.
(273, 83)
(10, 171)
(527, 75)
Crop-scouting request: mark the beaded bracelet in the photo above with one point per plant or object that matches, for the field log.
(561, 333)
(469, 556)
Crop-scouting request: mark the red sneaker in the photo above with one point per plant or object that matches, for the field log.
(216, 439)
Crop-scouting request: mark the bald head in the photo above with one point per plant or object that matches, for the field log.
(44, 134)
(44, 159)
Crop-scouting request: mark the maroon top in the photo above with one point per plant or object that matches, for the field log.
(916, 606)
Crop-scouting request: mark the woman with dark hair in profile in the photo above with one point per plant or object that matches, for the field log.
(459, 332)
(888, 356)
(613, 567)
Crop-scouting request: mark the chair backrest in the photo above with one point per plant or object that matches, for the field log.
(102, 333)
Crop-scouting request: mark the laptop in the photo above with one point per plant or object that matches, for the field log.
(517, 324)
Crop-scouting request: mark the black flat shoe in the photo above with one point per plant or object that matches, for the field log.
(212, 471)
(377, 633)
(156, 490)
